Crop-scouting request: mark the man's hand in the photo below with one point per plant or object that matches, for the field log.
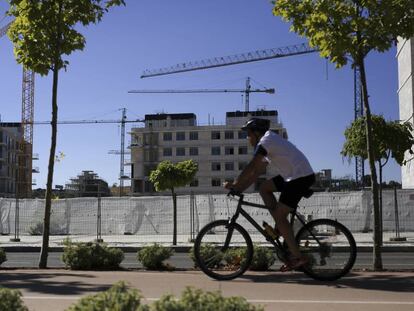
(228, 185)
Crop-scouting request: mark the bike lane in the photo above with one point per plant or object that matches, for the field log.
(56, 289)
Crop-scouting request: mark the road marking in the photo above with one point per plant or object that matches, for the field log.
(251, 300)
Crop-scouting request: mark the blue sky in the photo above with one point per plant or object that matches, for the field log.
(314, 100)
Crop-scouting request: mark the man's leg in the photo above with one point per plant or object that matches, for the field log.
(279, 212)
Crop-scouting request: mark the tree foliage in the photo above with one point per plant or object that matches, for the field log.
(347, 30)
(168, 176)
(391, 137)
(45, 30)
(333, 26)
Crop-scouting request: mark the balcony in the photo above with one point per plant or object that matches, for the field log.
(35, 170)
(34, 182)
(35, 156)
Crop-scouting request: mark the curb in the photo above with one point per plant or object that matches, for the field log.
(186, 249)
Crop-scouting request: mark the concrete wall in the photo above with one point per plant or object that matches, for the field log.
(405, 56)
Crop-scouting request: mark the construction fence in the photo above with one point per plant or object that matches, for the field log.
(151, 218)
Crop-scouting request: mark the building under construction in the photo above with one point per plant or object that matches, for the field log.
(88, 184)
(15, 164)
(221, 151)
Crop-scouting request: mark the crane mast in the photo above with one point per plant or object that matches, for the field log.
(25, 156)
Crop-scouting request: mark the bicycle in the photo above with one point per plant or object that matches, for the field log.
(223, 249)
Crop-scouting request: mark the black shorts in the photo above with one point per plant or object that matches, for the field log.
(291, 192)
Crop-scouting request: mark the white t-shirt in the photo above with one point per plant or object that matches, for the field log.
(282, 155)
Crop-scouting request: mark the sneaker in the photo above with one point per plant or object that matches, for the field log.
(294, 264)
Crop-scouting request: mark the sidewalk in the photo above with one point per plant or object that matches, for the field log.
(55, 290)
(133, 242)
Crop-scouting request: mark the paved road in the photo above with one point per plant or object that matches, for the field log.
(391, 260)
(55, 290)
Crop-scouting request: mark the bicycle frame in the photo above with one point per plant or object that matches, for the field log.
(240, 211)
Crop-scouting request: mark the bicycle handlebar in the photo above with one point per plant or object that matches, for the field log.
(233, 193)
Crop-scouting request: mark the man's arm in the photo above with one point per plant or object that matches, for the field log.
(251, 172)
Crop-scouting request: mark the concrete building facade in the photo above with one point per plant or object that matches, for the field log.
(405, 56)
(221, 151)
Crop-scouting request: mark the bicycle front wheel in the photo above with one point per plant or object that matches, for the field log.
(330, 248)
(223, 251)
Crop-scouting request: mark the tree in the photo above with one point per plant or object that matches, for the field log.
(389, 139)
(347, 31)
(168, 176)
(43, 32)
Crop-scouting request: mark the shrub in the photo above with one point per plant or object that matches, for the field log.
(263, 258)
(208, 251)
(118, 297)
(3, 256)
(152, 256)
(11, 299)
(196, 299)
(89, 256)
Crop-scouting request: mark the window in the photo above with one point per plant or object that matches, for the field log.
(215, 150)
(180, 151)
(243, 150)
(229, 135)
(215, 166)
(242, 165)
(194, 183)
(215, 182)
(180, 136)
(242, 134)
(229, 166)
(167, 152)
(193, 135)
(215, 135)
(228, 150)
(150, 138)
(150, 155)
(193, 151)
(276, 131)
(167, 136)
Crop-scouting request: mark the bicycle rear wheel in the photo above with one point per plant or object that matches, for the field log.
(330, 248)
(223, 251)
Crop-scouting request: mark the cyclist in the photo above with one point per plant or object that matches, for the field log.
(295, 178)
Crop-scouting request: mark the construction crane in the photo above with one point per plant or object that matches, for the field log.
(260, 55)
(24, 182)
(246, 91)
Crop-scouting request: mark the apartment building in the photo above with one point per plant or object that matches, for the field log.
(10, 135)
(221, 151)
(405, 56)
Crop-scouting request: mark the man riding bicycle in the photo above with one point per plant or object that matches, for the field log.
(294, 180)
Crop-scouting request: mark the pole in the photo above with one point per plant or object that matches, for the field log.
(247, 91)
(397, 237)
(121, 170)
(99, 219)
(192, 216)
(16, 207)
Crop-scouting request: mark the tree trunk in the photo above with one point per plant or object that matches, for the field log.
(48, 203)
(174, 195)
(380, 201)
(377, 260)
